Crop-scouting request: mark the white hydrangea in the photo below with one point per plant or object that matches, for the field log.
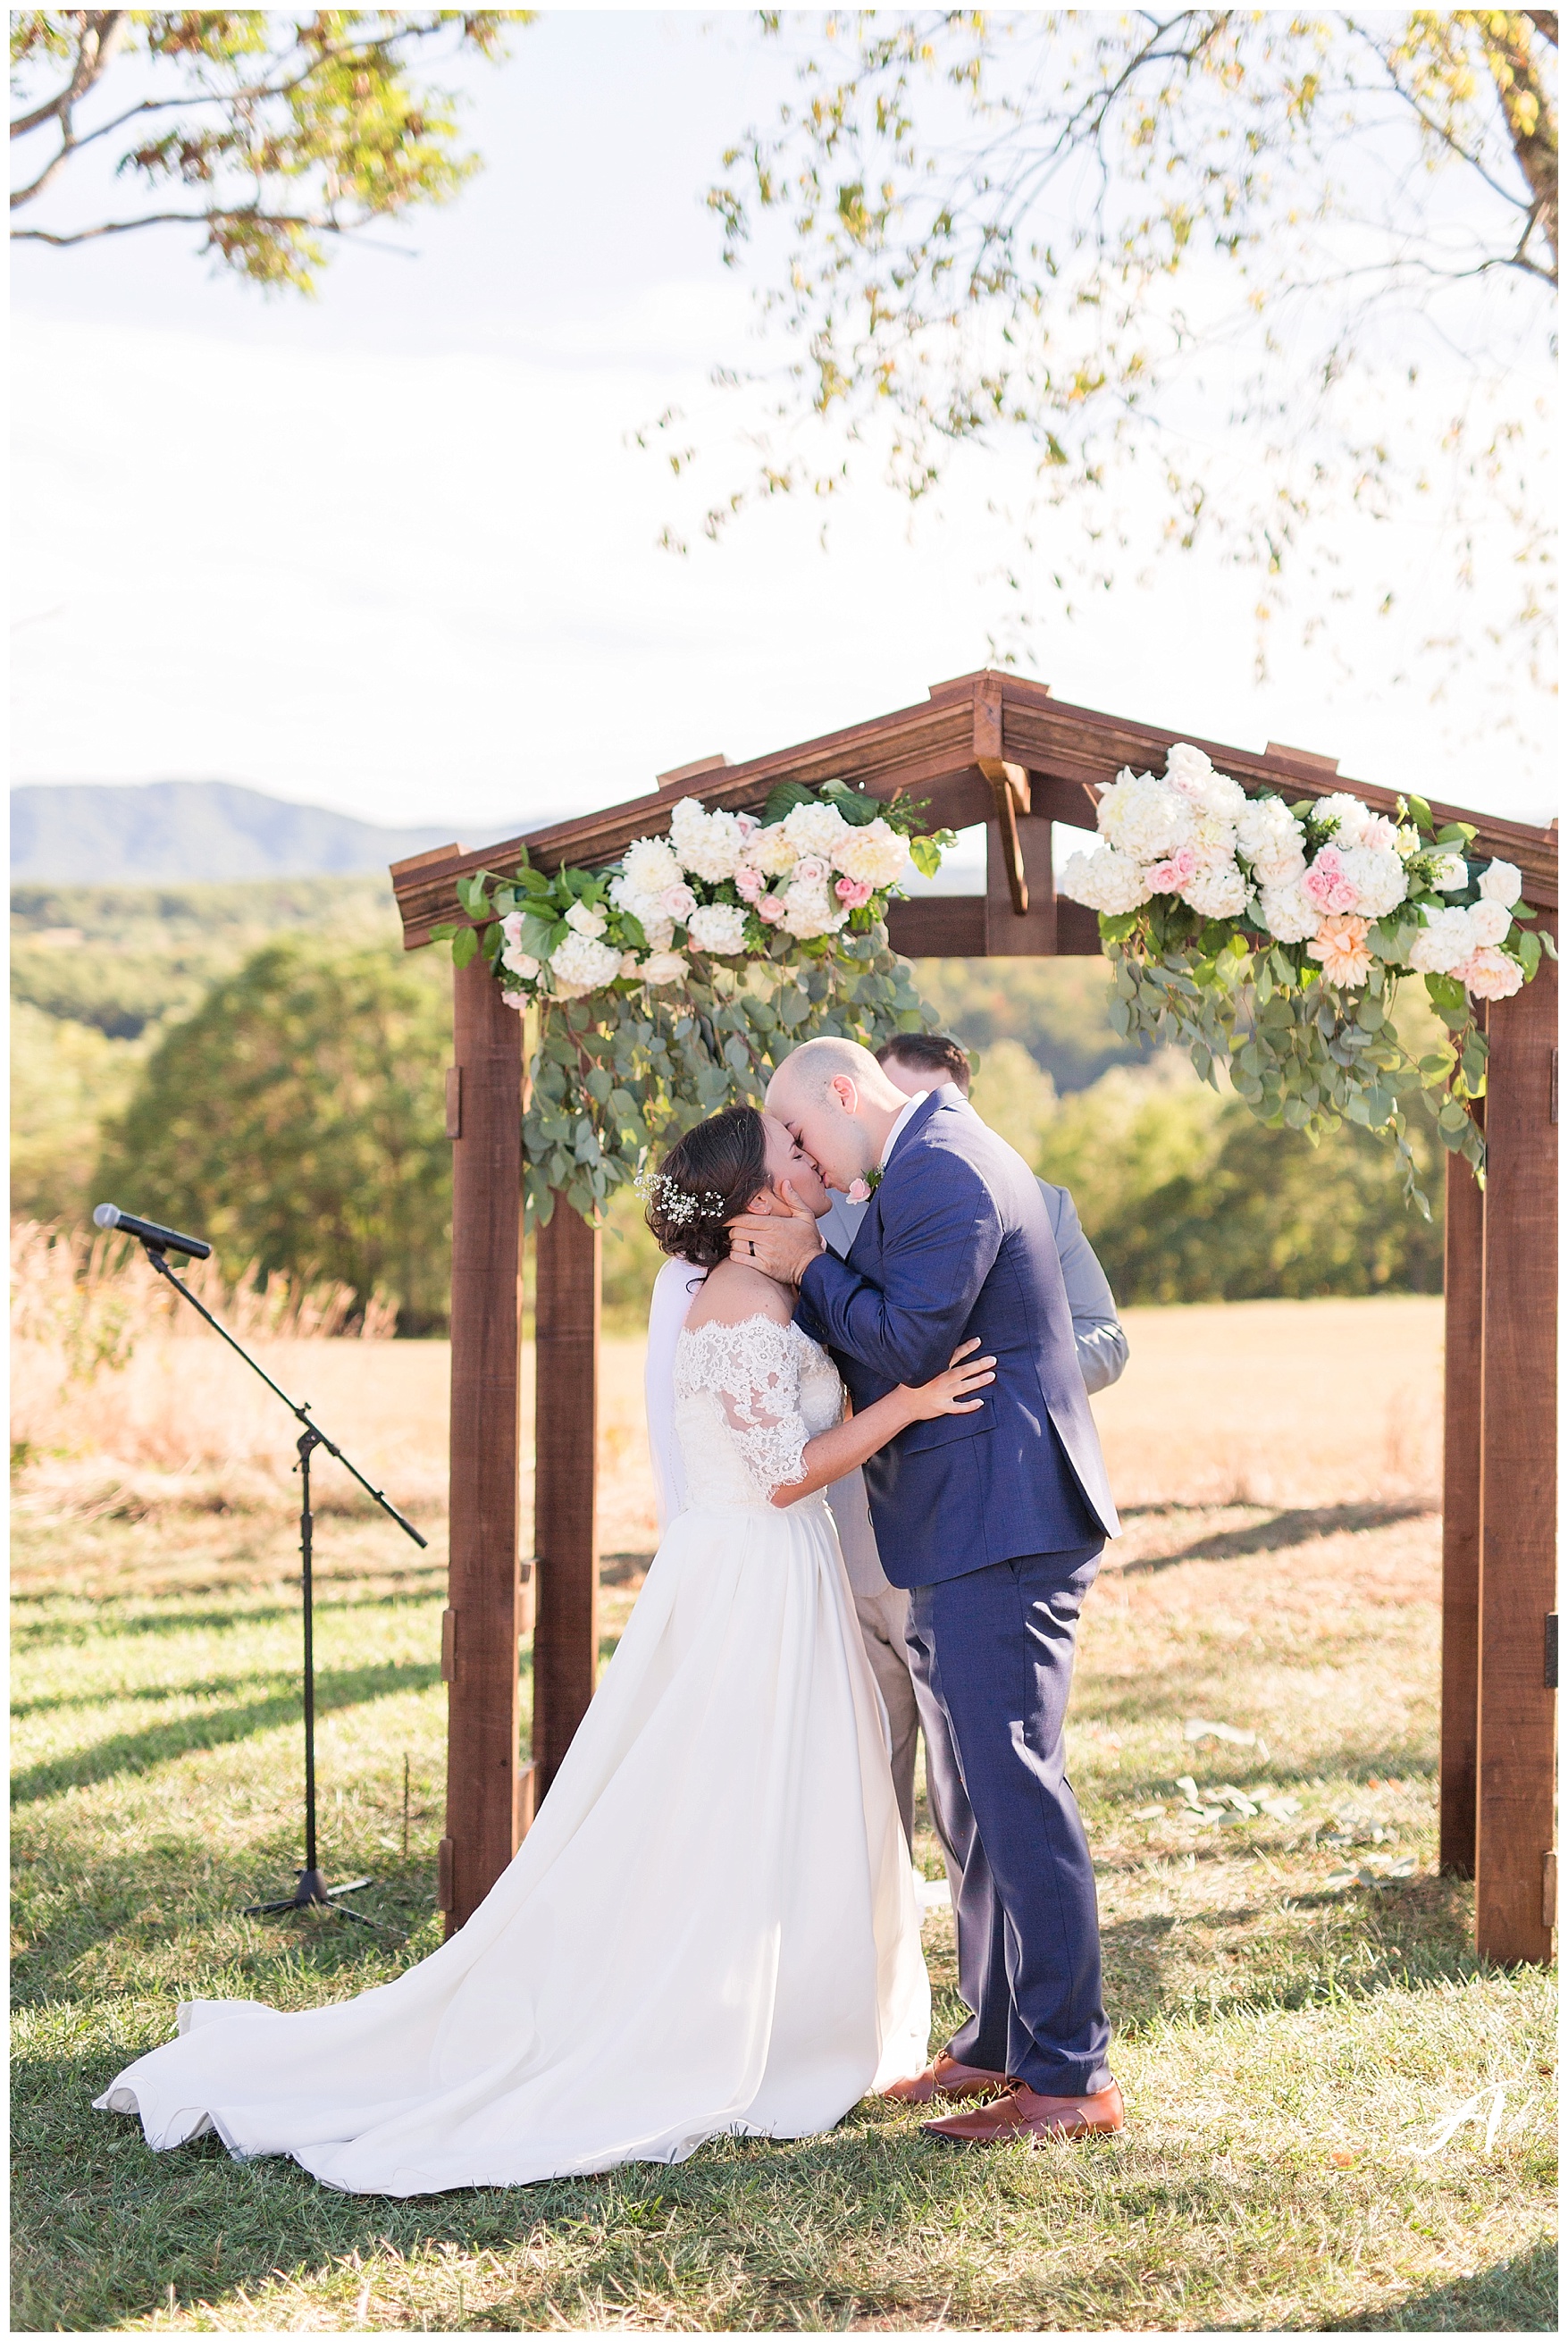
(658, 929)
(718, 927)
(1450, 875)
(1501, 883)
(1219, 891)
(1105, 881)
(583, 963)
(650, 866)
(874, 853)
(773, 851)
(1444, 943)
(1270, 836)
(588, 919)
(817, 830)
(1490, 921)
(1191, 772)
(1378, 876)
(707, 845)
(662, 968)
(808, 911)
(1348, 813)
(1287, 914)
(1144, 817)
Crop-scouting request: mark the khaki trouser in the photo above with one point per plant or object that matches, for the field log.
(882, 1619)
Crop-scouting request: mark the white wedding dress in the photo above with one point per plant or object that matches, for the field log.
(711, 1926)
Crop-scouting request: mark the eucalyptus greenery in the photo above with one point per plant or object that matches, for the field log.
(629, 1068)
(1303, 1054)
(611, 1077)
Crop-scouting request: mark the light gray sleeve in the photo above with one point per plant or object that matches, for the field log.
(840, 1223)
(851, 1515)
(1096, 1328)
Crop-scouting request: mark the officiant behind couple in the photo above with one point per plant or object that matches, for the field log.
(711, 1926)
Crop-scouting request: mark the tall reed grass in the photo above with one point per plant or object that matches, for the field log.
(117, 1385)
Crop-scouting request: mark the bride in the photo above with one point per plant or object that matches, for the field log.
(711, 1926)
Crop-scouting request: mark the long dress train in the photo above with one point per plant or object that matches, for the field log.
(711, 1926)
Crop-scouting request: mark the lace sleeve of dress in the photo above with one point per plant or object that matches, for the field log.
(753, 1370)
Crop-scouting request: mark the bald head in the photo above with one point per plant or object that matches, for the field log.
(839, 1103)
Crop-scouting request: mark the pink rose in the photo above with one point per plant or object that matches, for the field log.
(747, 824)
(1491, 974)
(811, 870)
(854, 890)
(749, 883)
(858, 1191)
(1166, 877)
(1326, 885)
(677, 902)
(771, 909)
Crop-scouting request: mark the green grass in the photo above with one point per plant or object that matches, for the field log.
(1284, 2045)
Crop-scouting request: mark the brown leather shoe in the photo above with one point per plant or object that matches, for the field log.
(944, 2078)
(1031, 2114)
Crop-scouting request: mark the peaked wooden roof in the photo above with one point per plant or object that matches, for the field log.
(985, 745)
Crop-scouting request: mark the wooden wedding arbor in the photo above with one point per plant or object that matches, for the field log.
(989, 748)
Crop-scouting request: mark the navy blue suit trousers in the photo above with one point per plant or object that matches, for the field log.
(992, 1656)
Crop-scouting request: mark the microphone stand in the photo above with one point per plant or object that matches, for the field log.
(312, 1888)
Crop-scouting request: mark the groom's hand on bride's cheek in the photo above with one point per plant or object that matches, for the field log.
(780, 1247)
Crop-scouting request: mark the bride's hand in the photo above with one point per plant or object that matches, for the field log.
(954, 1392)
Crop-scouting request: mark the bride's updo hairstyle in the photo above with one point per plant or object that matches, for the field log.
(707, 1178)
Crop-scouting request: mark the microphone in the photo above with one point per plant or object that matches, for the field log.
(157, 1239)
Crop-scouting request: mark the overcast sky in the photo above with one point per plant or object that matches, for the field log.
(394, 551)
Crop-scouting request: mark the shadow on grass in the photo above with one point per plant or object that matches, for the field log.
(135, 1752)
(1283, 1529)
(133, 2223)
(1404, 1937)
(1515, 2296)
(48, 1634)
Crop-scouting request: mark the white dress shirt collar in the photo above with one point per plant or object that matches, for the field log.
(915, 1103)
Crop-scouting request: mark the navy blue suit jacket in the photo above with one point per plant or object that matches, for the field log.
(957, 1242)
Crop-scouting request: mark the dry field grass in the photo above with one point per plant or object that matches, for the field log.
(1296, 2004)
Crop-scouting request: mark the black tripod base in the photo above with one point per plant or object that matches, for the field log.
(313, 1889)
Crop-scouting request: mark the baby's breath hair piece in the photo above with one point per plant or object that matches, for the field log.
(680, 1206)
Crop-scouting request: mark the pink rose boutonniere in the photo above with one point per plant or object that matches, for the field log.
(860, 1191)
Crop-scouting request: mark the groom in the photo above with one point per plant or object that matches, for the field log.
(995, 1520)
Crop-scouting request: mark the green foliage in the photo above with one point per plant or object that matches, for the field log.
(612, 1076)
(298, 1120)
(64, 1079)
(1057, 1009)
(274, 131)
(635, 1052)
(1303, 1053)
(126, 958)
(1185, 1197)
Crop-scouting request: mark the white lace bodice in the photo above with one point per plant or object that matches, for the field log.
(747, 1399)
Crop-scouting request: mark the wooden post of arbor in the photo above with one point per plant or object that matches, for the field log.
(566, 1500)
(479, 1631)
(1463, 1222)
(1516, 1717)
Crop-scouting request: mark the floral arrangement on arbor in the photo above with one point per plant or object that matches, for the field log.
(671, 984)
(1271, 937)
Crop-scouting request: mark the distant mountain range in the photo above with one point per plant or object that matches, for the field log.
(92, 834)
(95, 835)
